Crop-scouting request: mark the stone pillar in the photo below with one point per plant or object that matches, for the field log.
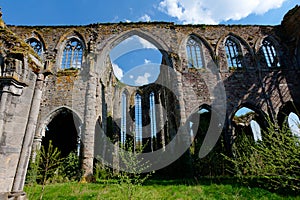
(88, 136)
(2, 110)
(181, 99)
(161, 122)
(15, 115)
(29, 134)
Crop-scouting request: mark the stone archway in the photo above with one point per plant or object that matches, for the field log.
(64, 130)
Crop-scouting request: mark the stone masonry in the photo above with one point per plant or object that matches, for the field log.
(34, 89)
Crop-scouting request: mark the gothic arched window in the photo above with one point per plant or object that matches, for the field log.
(270, 54)
(138, 119)
(194, 53)
(152, 115)
(233, 53)
(72, 54)
(152, 120)
(123, 118)
(294, 124)
(36, 45)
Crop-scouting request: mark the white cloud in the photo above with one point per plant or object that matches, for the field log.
(117, 71)
(145, 18)
(213, 12)
(145, 43)
(146, 61)
(131, 76)
(142, 80)
(130, 44)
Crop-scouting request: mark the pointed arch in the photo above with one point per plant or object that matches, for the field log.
(206, 52)
(205, 43)
(106, 46)
(37, 35)
(72, 54)
(269, 48)
(138, 119)
(250, 120)
(233, 52)
(245, 54)
(36, 45)
(194, 53)
(250, 106)
(71, 33)
(157, 42)
(124, 116)
(285, 110)
(62, 126)
(71, 49)
(44, 122)
(37, 42)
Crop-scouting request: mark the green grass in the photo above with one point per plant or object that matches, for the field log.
(151, 190)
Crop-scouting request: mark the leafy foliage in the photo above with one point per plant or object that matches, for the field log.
(49, 167)
(130, 177)
(71, 167)
(50, 161)
(273, 163)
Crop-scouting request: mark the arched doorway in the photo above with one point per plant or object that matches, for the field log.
(213, 163)
(289, 115)
(247, 120)
(64, 131)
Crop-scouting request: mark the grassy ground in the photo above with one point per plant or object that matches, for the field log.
(151, 190)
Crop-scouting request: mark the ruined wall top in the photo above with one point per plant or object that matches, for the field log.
(167, 37)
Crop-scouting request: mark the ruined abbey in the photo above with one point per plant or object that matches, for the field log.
(57, 83)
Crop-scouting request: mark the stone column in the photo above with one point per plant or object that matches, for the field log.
(161, 122)
(29, 134)
(180, 98)
(88, 136)
(2, 110)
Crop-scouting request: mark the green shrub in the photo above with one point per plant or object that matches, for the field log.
(71, 167)
(102, 172)
(132, 175)
(273, 163)
(33, 171)
(49, 167)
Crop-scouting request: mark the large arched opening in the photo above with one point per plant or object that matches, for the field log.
(288, 115)
(137, 61)
(249, 121)
(213, 163)
(64, 130)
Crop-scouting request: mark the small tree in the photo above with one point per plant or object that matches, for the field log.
(50, 163)
(33, 172)
(71, 167)
(131, 177)
(273, 163)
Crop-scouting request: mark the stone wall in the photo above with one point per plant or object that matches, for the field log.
(93, 93)
(19, 108)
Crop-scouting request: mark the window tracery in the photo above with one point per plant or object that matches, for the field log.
(36, 45)
(194, 54)
(270, 54)
(123, 118)
(138, 119)
(233, 53)
(72, 54)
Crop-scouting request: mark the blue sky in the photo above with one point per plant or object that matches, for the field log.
(80, 12)
(125, 63)
(140, 61)
(136, 61)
